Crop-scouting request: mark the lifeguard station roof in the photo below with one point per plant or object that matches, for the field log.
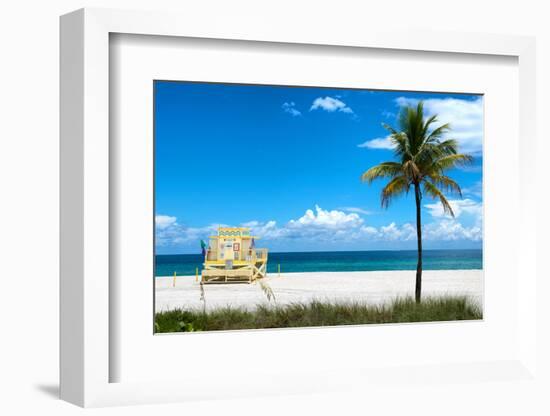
(242, 232)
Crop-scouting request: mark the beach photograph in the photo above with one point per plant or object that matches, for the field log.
(294, 206)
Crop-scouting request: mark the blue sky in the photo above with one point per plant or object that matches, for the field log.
(286, 161)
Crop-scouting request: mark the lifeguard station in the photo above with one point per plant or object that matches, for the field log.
(232, 257)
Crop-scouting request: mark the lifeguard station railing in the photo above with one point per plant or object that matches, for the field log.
(253, 255)
(259, 254)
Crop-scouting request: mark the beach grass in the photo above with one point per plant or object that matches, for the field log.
(317, 313)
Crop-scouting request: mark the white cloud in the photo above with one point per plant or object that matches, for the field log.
(331, 105)
(444, 230)
(474, 190)
(337, 225)
(459, 206)
(326, 219)
(465, 117)
(357, 210)
(379, 143)
(320, 225)
(451, 230)
(392, 232)
(164, 221)
(168, 232)
(367, 230)
(290, 108)
(267, 230)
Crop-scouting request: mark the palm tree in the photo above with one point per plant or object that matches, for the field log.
(423, 157)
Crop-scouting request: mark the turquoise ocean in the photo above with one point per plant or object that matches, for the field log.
(336, 261)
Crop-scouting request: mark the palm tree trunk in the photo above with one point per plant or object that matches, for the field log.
(418, 286)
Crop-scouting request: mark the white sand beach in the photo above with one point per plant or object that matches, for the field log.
(374, 287)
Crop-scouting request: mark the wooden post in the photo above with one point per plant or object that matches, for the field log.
(174, 280)
(196, 274)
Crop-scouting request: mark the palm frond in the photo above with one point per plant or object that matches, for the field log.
(438, 132)
(446, 183)
(448, 147)
(383, 170)
(450, 161)
(390, 129)
(402, 145)
(427, 125)
(394, 188)
(432, 190)
(431, 151)
(399, 140)
(423, 155)
(411, 169)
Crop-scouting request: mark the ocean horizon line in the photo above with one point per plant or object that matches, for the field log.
(442, 259)
(339, 251)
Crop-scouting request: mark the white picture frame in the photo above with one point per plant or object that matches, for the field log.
(86, 356)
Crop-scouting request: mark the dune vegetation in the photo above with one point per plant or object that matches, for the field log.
(316, 313)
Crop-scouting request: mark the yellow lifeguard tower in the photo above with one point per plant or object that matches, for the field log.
(233, 257)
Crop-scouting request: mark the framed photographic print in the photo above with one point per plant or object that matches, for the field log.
(296, 201)
(283, 197)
